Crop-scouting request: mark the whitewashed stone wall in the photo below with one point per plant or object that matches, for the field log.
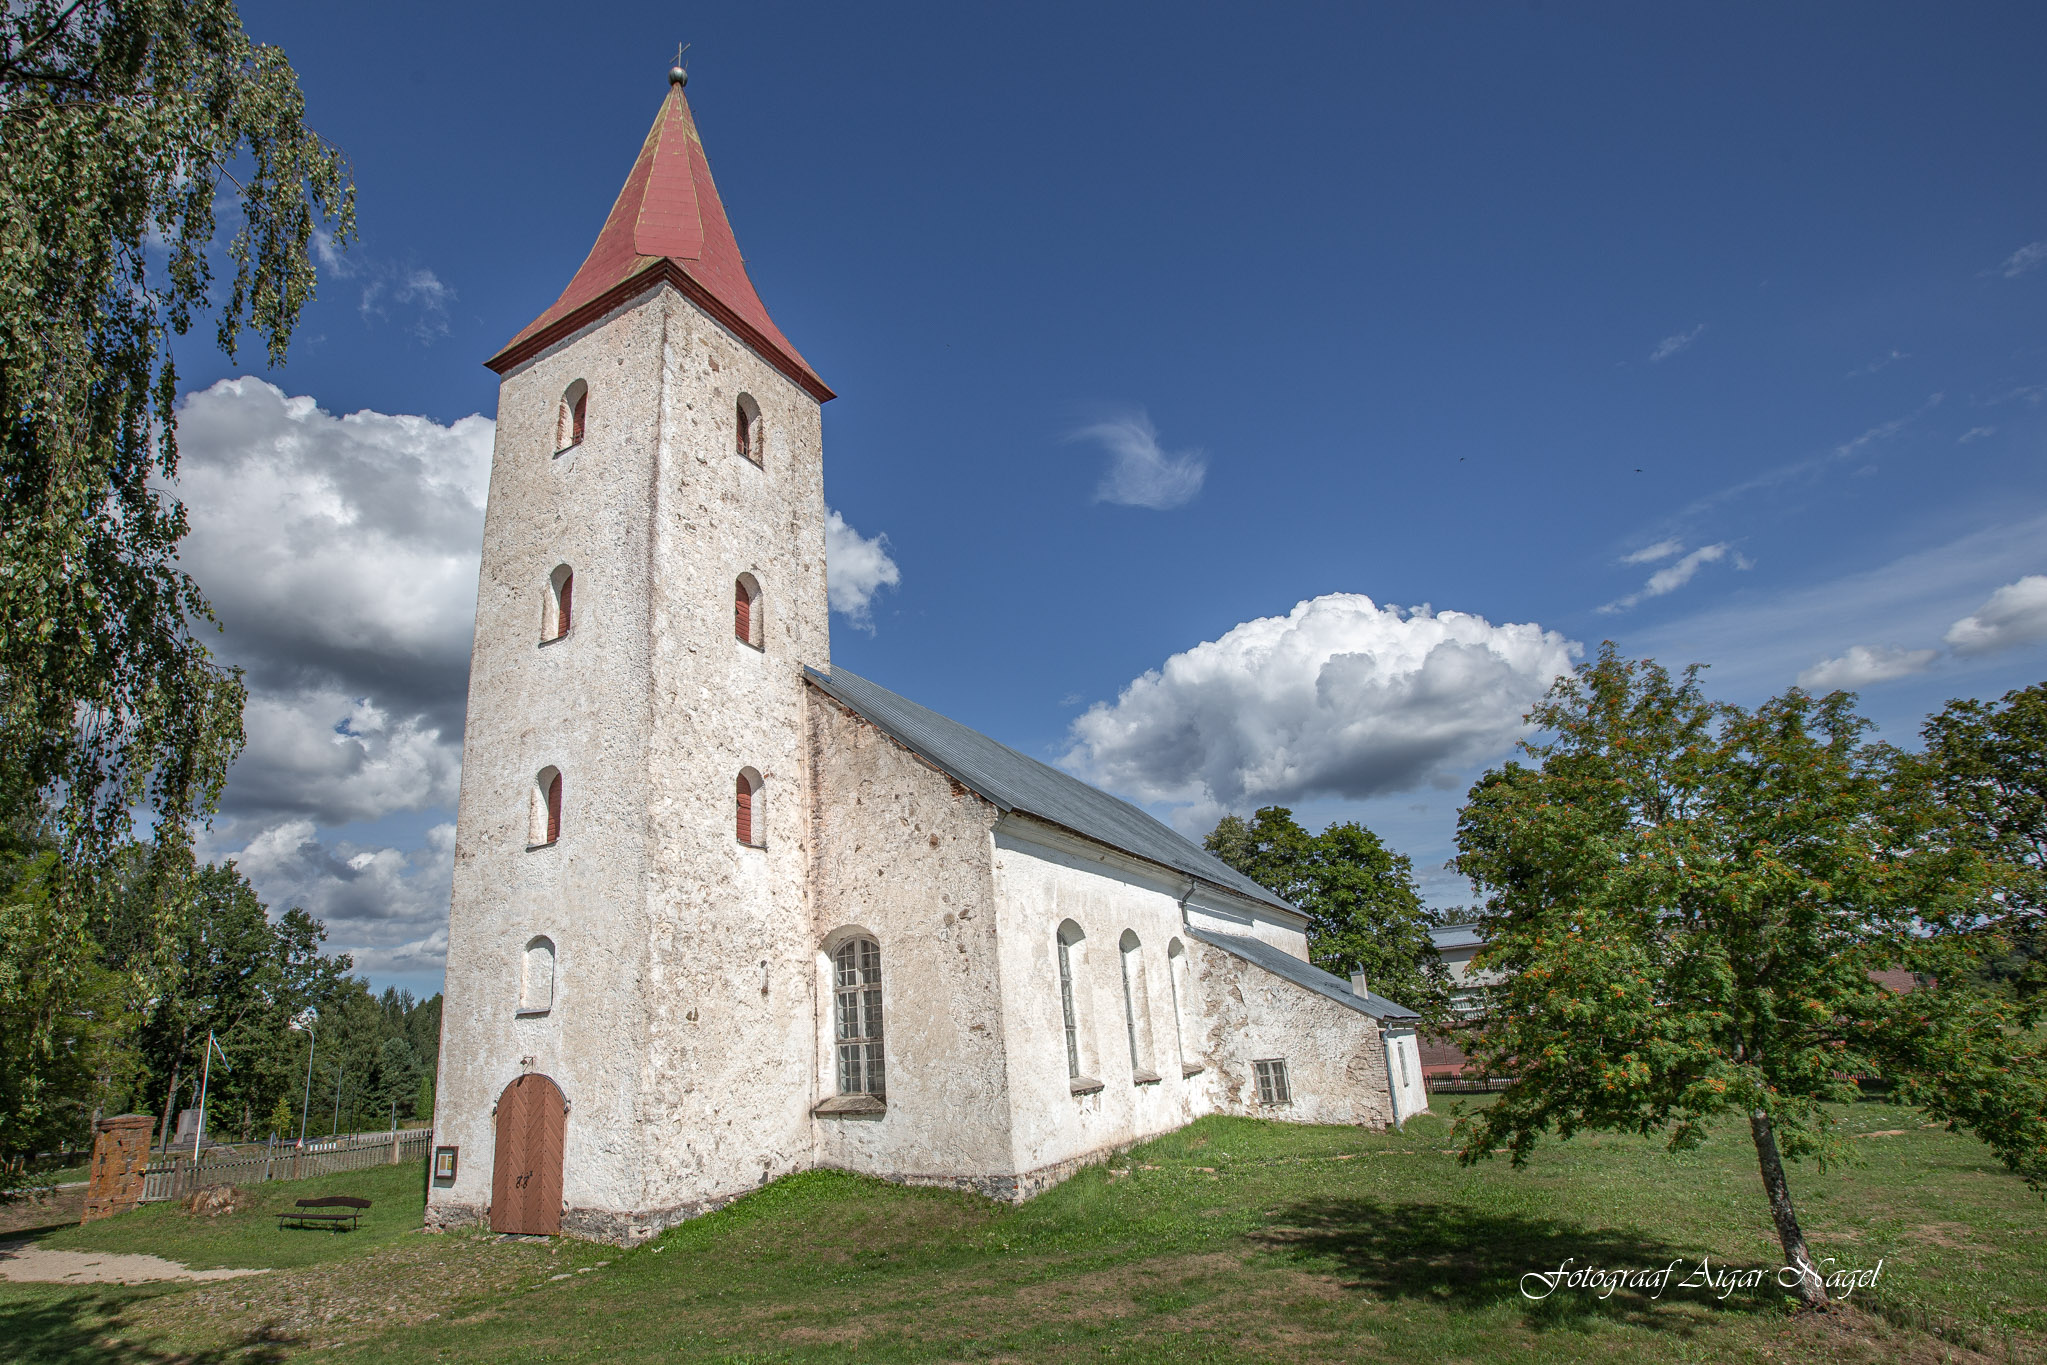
(684, 991)
(901, 853)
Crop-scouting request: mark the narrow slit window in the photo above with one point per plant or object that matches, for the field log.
(748, 823)
(747, 626)
(544, 822)
(560, 611)
(536, 984)
(746, 428)
(857, 998)
(1273, 1089)
(569, 416)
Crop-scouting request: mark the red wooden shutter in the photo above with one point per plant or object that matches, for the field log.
(562, 609)
(742, 613)
(554, 808)
(576, 420)
(745, 812)
(742, 446)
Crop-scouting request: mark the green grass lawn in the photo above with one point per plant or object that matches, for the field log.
(1230, 1241)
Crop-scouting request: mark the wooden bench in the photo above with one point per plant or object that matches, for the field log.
(345, 1208)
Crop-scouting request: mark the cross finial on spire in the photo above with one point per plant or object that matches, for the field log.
(679, 74)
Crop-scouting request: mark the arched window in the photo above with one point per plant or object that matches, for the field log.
(751, 817)
(1136, 1008)
(569, 416)
(1070, 939)
(536, 977)
(746, 428)
(747, 625)
(545, 823)
(1176, 982)
(558, 614)
(856, 996)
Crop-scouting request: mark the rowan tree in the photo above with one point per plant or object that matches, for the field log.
(1688, 902)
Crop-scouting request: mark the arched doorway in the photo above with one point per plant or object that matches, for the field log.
(526, 1180)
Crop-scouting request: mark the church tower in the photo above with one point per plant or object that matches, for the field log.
(629, 1031)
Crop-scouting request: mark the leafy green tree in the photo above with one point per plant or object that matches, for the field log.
(280, 1121)
(124, 125)
(1985, 765)
(86, 1029)
(1689, 900)
(1364, 910)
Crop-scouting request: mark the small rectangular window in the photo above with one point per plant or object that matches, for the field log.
(1273, 1089)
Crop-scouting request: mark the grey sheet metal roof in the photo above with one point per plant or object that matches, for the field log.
(1013, 782)
(1282, 963)
(1456, 936)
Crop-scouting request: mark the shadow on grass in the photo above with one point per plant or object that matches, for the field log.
(96, 1325)
(1466, 1259)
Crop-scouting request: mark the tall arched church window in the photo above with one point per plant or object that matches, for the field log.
(1069, 948)
(1176, 982)
(544, 825)
(1136, 1008)
(747, 625)
(856, 971)
(559, 613)
(748, 820)
(747, 436)
(570, 416)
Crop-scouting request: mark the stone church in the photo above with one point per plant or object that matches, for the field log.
(723, 912)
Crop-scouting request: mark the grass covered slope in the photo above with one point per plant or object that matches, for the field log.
(1239, 1240)
(1231, 1240)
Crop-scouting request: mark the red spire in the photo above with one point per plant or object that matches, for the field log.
(667, 224)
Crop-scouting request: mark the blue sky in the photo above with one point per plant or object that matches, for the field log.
(1501, 309)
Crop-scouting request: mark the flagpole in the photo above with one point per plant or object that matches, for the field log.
(205, 1074)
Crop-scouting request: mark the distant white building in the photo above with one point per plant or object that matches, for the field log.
(723, 912)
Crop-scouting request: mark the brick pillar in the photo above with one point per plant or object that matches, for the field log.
(120, 1155)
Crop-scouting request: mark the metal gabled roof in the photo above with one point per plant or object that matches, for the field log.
(1279, 962)
(1456, 936)
(1013, 782)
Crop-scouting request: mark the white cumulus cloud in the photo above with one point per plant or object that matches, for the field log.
(2016, 614)
(857, 567)
(1141, 472)
(1863, 665)
(1340, 697)
(340, 555)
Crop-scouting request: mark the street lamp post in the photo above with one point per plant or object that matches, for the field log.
(304, 1024)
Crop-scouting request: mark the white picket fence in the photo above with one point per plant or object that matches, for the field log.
(177, 1175)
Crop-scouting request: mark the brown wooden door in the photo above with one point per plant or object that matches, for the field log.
(526, 1181)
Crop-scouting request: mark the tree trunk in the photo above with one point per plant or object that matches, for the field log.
(169, 1103)
(1810, 1288)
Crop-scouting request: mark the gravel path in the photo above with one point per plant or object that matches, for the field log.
(26, 1261)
